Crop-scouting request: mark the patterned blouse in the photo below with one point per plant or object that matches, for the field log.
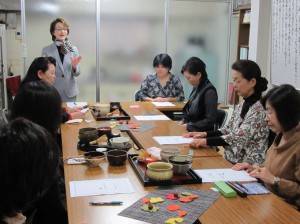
(151, 88)
(248, 138)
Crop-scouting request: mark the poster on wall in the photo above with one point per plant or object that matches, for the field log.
(285, 64)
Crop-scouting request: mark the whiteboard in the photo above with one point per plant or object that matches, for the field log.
(285, 60)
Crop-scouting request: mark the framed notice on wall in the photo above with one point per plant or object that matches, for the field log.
(285, 64)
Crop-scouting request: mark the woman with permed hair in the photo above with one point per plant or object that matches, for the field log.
(162, 86)
(245, 136)
(280, 172)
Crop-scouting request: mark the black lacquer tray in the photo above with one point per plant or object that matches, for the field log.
(121, 116)
(140, 168)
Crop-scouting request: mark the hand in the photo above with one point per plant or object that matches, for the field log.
(190, 134)
(160, 99)
(77, 115)
(264, 174)
(75, 61)
(243, 166)
(197, 143)
(74, 109)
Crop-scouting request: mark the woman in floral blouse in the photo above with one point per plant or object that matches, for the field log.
(162, 86)
(245, 137)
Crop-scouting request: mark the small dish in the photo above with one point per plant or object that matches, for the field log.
(93, 159)
(119, 142)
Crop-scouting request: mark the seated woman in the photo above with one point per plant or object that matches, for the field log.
(200, 112)
(245, 137)
(28, 170)
(281, 170)
(162, 86)
(39, 102)
(43, 68)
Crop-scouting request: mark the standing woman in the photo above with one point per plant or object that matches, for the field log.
(67, 60)
(200, 112)
(245, 137)
(281, 170)
(163, 85)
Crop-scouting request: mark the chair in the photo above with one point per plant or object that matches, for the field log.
(221, 118)
(136, 96)
(6, 115)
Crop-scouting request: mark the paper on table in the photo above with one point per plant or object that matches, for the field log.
(172, 140)
(76, 104)
(100, 187)
(213, 175)
(163, 104)
(152, 118)
(74, 121)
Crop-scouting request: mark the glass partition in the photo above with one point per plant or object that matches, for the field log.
(131, 33)
(198, 28)
(81, 18)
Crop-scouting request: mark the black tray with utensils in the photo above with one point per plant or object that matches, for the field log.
(140, 168)
(121, 115)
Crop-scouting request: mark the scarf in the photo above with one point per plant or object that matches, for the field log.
(65, 47)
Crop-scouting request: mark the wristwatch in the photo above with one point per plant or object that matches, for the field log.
(276, 181)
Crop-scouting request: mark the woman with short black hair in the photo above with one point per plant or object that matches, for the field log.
(163, 85)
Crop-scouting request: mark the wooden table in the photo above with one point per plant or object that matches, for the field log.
(253, 209)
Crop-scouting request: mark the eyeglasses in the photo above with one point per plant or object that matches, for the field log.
(61, 29)
(268, 113)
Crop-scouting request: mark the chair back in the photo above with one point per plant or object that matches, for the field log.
(6, 115)
(136, 96)
(221, 118)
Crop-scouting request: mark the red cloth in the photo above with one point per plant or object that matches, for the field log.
(13, 84)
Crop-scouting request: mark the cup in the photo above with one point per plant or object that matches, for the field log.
(102, 108)
(119, 142)
(87, 135)
(168, 151)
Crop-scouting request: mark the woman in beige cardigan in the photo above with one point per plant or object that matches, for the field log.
(281, 170)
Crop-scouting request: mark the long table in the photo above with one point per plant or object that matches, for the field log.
(253, 209)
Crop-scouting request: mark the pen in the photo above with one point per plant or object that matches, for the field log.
(106, 203)
(242, 186)
(239, 191)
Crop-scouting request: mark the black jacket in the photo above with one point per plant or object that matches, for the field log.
(200, 112)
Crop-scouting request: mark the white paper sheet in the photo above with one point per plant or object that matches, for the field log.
(213, 175)
(172, 140)
(100, 187)
(163, 104)
(152, 118)
(76, 104)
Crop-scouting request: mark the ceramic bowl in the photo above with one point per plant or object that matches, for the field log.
(87, 135)
(119, 142)
(159, 171)
(116, 157)
(181, 164)
(166, 152)
(93, 159)
(103, 108)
